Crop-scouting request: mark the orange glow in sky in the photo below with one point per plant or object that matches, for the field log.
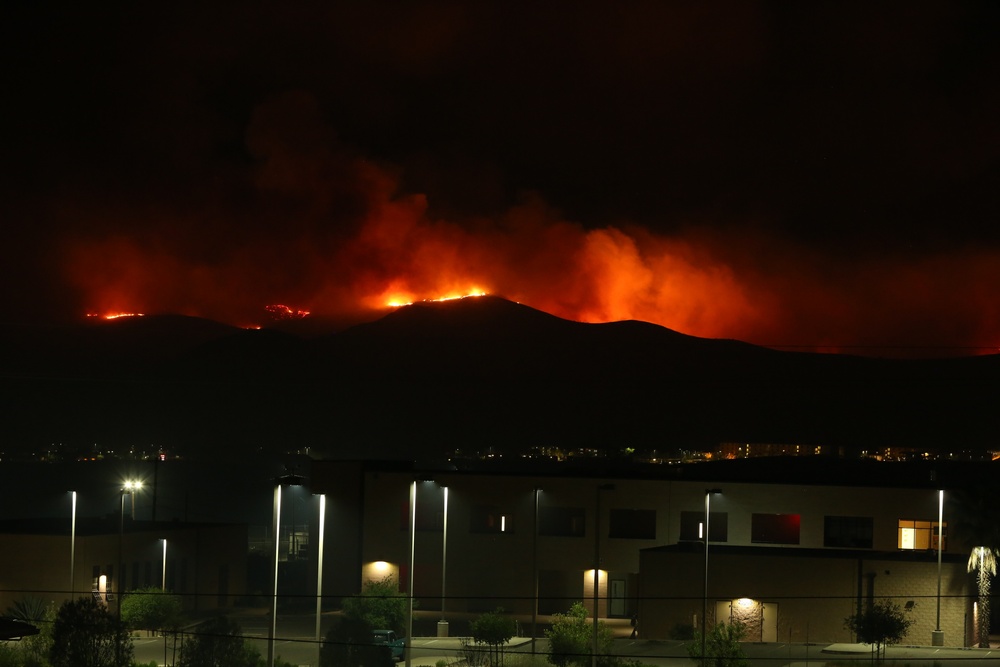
(734, 283)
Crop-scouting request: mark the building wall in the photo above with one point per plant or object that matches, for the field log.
(813, 595)
(490, 568)
(206, 562)
(34, 566)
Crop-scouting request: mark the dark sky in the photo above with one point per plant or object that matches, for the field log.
(790, 173)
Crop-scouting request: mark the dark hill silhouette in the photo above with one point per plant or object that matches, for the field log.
(471, 374)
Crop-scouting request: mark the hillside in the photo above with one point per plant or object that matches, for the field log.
(470, 374)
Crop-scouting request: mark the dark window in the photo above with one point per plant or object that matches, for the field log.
(854, 532)
(135, 574)
(775, 528)
(97, 571)
(430, 516)
(562, 521)
(148, 575)
(490, 519)
(693, 526)
(633, 524)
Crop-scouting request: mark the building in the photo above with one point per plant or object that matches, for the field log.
(795, 550)
(205, 564)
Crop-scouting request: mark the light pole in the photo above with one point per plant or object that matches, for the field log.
(704, 600)
(285, 480)
(319, 571)
(163, 571)
(443, 624)
(534, 567)
(72, 545)
(130, 487)
(409, 610)
(597, 566)
(937, 637)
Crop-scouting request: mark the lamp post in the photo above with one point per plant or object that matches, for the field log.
(130, 487)
(443, 624)
(72, 545)
(319, 571)
(597, 566)
(408, 649)
(285, 480)
(937, 636)
(163, 570)
(704, 599)
(534, 567)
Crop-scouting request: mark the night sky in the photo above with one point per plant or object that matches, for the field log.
(818, 175)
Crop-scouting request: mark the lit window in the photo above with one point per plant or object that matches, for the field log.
(490, 519)
(921, 535)
(693, 526)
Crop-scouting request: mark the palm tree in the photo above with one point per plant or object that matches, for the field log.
(978, 525)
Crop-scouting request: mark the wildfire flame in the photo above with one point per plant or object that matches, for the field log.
(281, 312)
(354, 244)
(400, 302)
(115, 316)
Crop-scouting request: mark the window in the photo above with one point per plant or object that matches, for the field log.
(430, 516)
(562, 521)
(775, 528)
(921, 535)
(633, 524)
(693, 526)
(848, 532)
(490, 519)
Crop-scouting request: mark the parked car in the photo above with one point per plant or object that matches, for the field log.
(396, 645)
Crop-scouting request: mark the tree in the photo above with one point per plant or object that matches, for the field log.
(381, 603)
(151, 609)
(42, 615)
(571, 638)
(977, 523)
(85, 634)
(218, 642)
(494, 629)
(722, 646)
(349, 642)
(881, 624)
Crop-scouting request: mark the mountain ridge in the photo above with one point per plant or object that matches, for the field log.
(473, 373)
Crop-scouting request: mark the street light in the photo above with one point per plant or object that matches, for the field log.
(937, 637)
(129, 487)
(284, 480)
(319, 571)
(597, 565)
(704, 600)
(534, 567)
(408, 648)
(443, 624)
(72, 546)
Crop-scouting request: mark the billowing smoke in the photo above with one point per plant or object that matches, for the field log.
(309, 224)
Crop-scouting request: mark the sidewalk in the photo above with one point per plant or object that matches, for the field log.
(428, 651)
